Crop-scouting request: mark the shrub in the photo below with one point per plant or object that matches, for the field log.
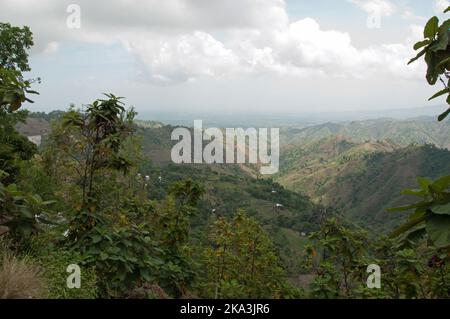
(54, 266)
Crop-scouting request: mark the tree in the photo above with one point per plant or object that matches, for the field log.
(17, 209)
(172, 226)
(431, 215)
(14, 43)
(343, 254)
(241, 261)
(91, 141)
(14, 147)
(436, 51)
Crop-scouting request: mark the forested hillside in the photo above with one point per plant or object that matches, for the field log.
(361, 179)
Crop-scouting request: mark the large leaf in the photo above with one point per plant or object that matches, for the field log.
(416, 234)
(409, 207)
(441, 184)
(445, 114)
(415, 192)
(443, 209)
(431, 28)
(442, 42)
(407, 226)
(424, 183)
(443, 62)
(438, 229)
(421, 53)
(421, 44)
(441, 92)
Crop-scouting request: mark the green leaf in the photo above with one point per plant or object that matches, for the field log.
(421, 44)
(421, 53)
(442, 42)
(409, 207)
(441, 209)
(441, 92)
(407, 226)
(438, 229)
(443, 62)
(414, 192)
(447, 10)
(419, 213)
(441, 184)
(424, 183)
(431, 28)
(48, 202)
(416, 234)
(26, 213)
(146, 275)
(96, 239)
(444, 115)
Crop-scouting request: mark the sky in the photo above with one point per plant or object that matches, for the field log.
(228, 56)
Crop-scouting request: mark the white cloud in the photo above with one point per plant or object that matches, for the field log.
(408, 14)
(181, 40)
(441, 5)
(180, 58)
(382, 7)
(51, 48)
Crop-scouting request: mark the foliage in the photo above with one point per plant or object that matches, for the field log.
(343, 255)
(436, 49)
(13, 90)
(91, 143)
(14, 148)
(431, 215)
(241, 262)
(172, 222)
(20, 211)
(54, 264)
(123, 257)
(409, 269)
(94, 139)
(14, 42)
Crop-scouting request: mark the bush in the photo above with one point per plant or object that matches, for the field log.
(54, 266)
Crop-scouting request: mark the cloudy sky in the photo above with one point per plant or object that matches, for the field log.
(228, 56)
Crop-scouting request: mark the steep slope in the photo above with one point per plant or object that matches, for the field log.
(360, 179)
(228, 187)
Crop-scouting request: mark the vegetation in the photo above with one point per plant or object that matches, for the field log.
(100, 194)
(431, 217)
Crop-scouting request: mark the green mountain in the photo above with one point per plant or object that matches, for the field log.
(288, 216)
(358, 168)
(360, 179)
(423, 130)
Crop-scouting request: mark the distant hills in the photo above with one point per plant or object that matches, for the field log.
(421, 130)
(357, 167)
(360, 179)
